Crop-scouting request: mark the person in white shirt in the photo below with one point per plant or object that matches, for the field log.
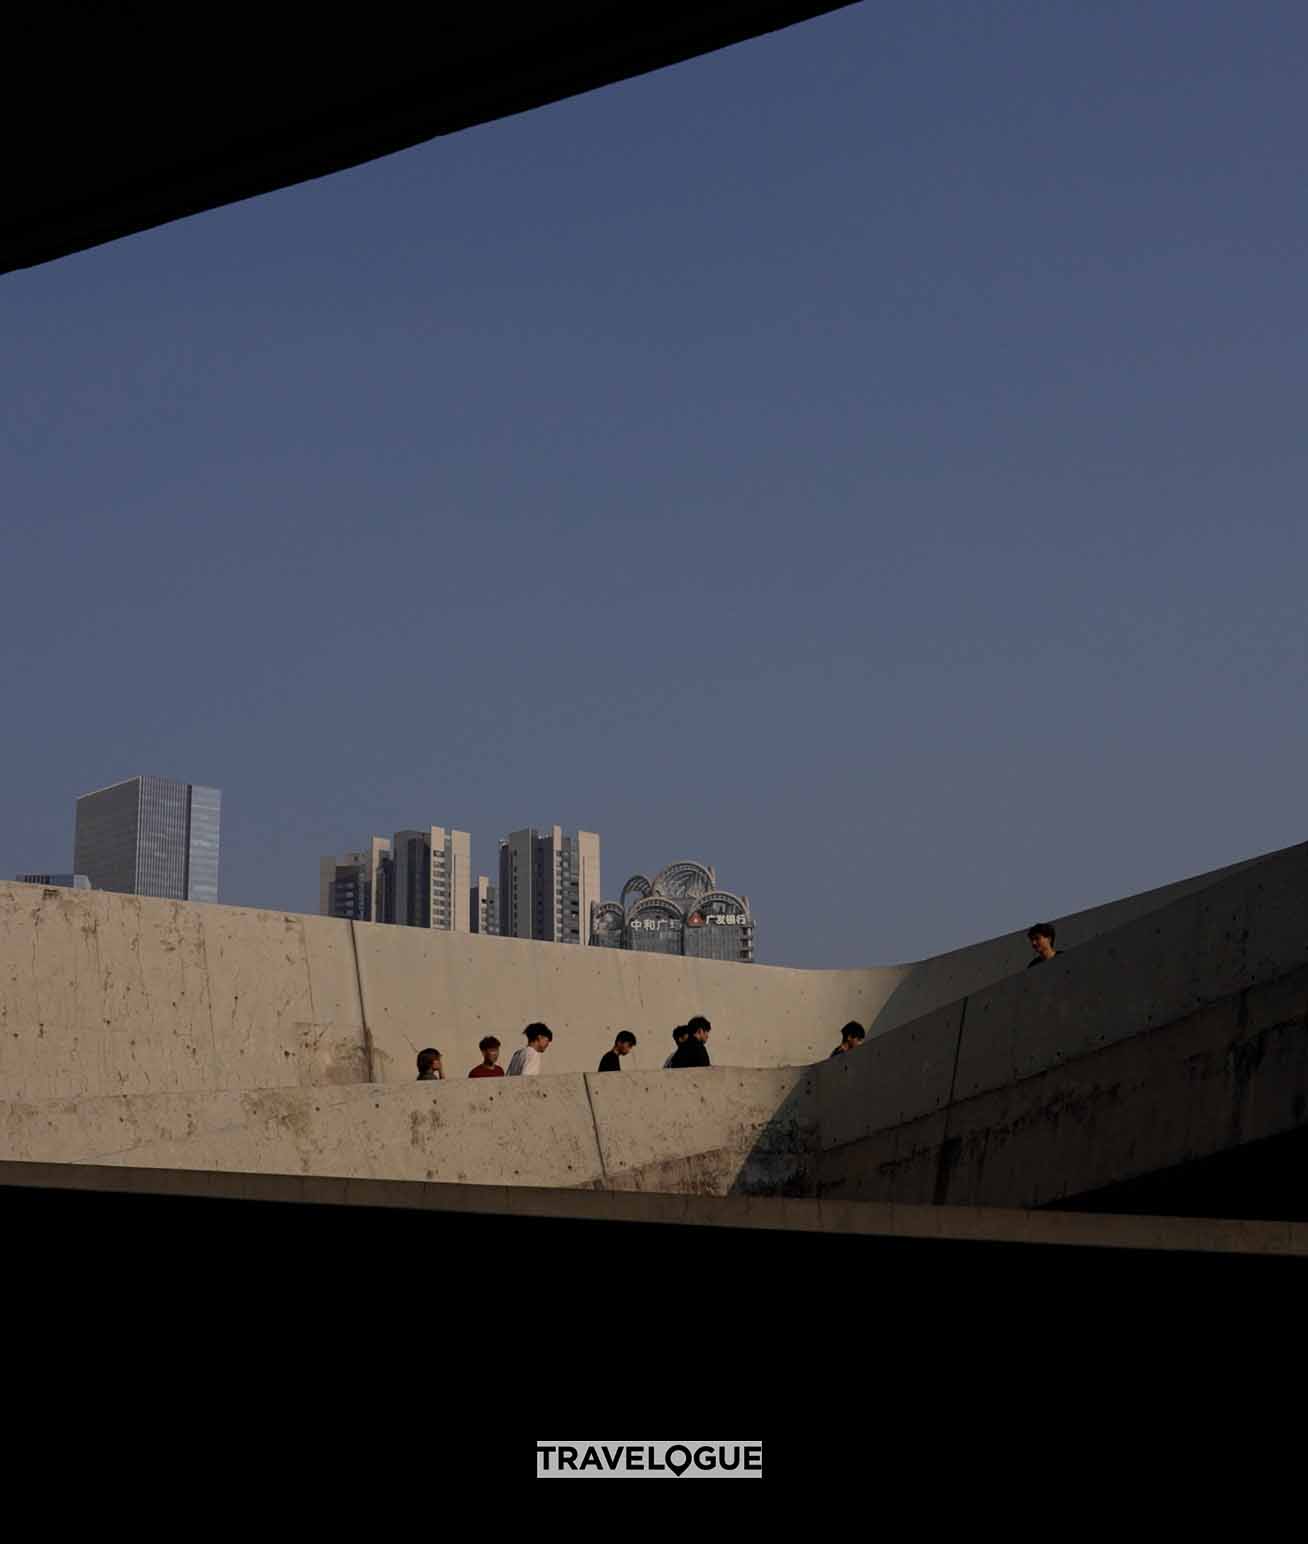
(679, 1037)
(526, 1062)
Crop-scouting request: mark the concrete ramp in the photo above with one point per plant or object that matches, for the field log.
(1172, 1030)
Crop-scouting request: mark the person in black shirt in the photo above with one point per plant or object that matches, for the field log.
(851, 1037)
(430, 1069)
(1042, 941)
(609, 1061)
(694, 1053)
(679, 1036)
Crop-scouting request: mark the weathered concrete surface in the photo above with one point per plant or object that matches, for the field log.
(720, 1128)
(961, 1223)
(149, 1032)
(715, 1131)
(522, 1131)
(1168, 1040)
(103, 993)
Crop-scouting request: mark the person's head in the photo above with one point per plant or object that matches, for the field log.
(852, 1035)
(680, 1035)
(699, 1028)
(1042, 939)
(489, 1047)
(429, 1062)
(539, 1036)
(624, 1042)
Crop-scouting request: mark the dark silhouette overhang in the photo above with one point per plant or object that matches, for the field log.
(122, 117)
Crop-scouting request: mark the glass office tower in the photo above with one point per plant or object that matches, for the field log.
(150, 836)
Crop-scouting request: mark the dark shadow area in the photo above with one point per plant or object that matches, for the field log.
(1264, 1181)
(119, 118)
(322, 1353)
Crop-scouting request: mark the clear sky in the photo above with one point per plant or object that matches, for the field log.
(871, 459)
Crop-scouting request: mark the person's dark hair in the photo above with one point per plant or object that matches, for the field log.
(698, 1022)
(625, 1037)
(428, 1058)
(682, 1032)
(1041, 930)
(853, 1031)
(488, 1043)
(535, 1031)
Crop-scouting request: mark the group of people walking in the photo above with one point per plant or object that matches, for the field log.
(689, 1049)
(689, 1040)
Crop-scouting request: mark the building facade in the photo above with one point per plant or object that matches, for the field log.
(549, 883)
(484, 906)
(431, 868)
(680, 911)
(150, 836)
(356, 885)
(67, 881)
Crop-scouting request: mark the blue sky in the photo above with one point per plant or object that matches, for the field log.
(870, 459)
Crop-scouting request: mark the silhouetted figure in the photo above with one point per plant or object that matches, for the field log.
(490, 1056)
(694, 1053)
(679, 1038)
(1042, 941)
(851, 1037)
(621, 1047)
(429, 1065)
(526, 1062)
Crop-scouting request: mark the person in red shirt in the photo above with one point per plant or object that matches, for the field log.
(490, 1055)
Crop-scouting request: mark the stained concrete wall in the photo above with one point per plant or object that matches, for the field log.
(718, 1130)
(1171, 1038)
(104, 993)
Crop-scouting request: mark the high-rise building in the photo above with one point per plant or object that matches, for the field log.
(548, 882)
(67, 881)
(680, 911)
(431, 870)
(484, 906)
(355, 885)
(150, 836)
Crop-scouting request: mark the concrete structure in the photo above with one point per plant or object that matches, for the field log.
(1168, 1039)
(356, 886)
(548, 884)
(680, 911)
(431, 872)
(150, 836)
(484, 907)
(68, 881)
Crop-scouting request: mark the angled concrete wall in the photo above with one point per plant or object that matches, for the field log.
(946, 978)
(1170, 1038)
